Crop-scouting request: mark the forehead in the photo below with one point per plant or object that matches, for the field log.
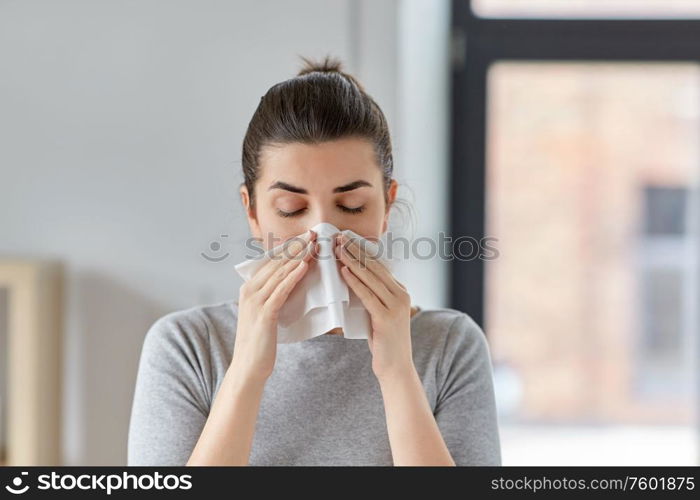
(330, 161)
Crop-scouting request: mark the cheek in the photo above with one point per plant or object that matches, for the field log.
(368, 226)
(276, 231)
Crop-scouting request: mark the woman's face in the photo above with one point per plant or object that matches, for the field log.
(301, 185)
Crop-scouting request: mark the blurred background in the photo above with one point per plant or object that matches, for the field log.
(567, 131)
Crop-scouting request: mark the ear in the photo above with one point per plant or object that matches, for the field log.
(250, 213)
(391, 195)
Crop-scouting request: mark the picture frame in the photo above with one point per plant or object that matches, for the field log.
(31, 361)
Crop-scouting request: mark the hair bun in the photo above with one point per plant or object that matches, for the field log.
(328, 65)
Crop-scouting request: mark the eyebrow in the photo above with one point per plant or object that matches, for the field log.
(339, 189)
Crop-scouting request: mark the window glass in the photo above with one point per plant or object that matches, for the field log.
(591, 307)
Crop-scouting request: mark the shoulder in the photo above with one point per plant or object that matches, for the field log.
(446, 316)
(450, 336)
(193, 328)
(446, 325)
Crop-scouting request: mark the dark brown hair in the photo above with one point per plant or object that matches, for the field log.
(321, 103)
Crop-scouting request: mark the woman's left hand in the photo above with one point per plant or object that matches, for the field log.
(388, 304)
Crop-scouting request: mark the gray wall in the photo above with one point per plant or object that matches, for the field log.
(120, 131)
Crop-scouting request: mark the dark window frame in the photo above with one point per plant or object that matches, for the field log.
(476, 43)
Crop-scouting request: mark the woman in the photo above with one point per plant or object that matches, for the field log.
(215, 388)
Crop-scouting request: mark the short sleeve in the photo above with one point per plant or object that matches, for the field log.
(170, 405)
(465, 409)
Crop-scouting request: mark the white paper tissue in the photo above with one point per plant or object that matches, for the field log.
(321, 301)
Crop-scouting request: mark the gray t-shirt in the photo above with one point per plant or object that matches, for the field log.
(322, 405)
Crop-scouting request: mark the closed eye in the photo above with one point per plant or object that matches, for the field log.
(355, 210)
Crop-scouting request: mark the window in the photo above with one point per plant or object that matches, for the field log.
(665, 368)
(575, 146)
(665, 210)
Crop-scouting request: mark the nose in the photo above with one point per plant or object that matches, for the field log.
(326, 215)
(328, 219)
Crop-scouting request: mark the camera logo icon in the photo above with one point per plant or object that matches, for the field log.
(215, 246)
(17, 483)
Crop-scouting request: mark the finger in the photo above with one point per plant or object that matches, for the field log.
(357, 249)
(365, 274)
(368, 299)
(281, 293)
(370, 262)
(289, 251)
(283, 271)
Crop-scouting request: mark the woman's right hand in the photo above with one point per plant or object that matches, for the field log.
(260, 300)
